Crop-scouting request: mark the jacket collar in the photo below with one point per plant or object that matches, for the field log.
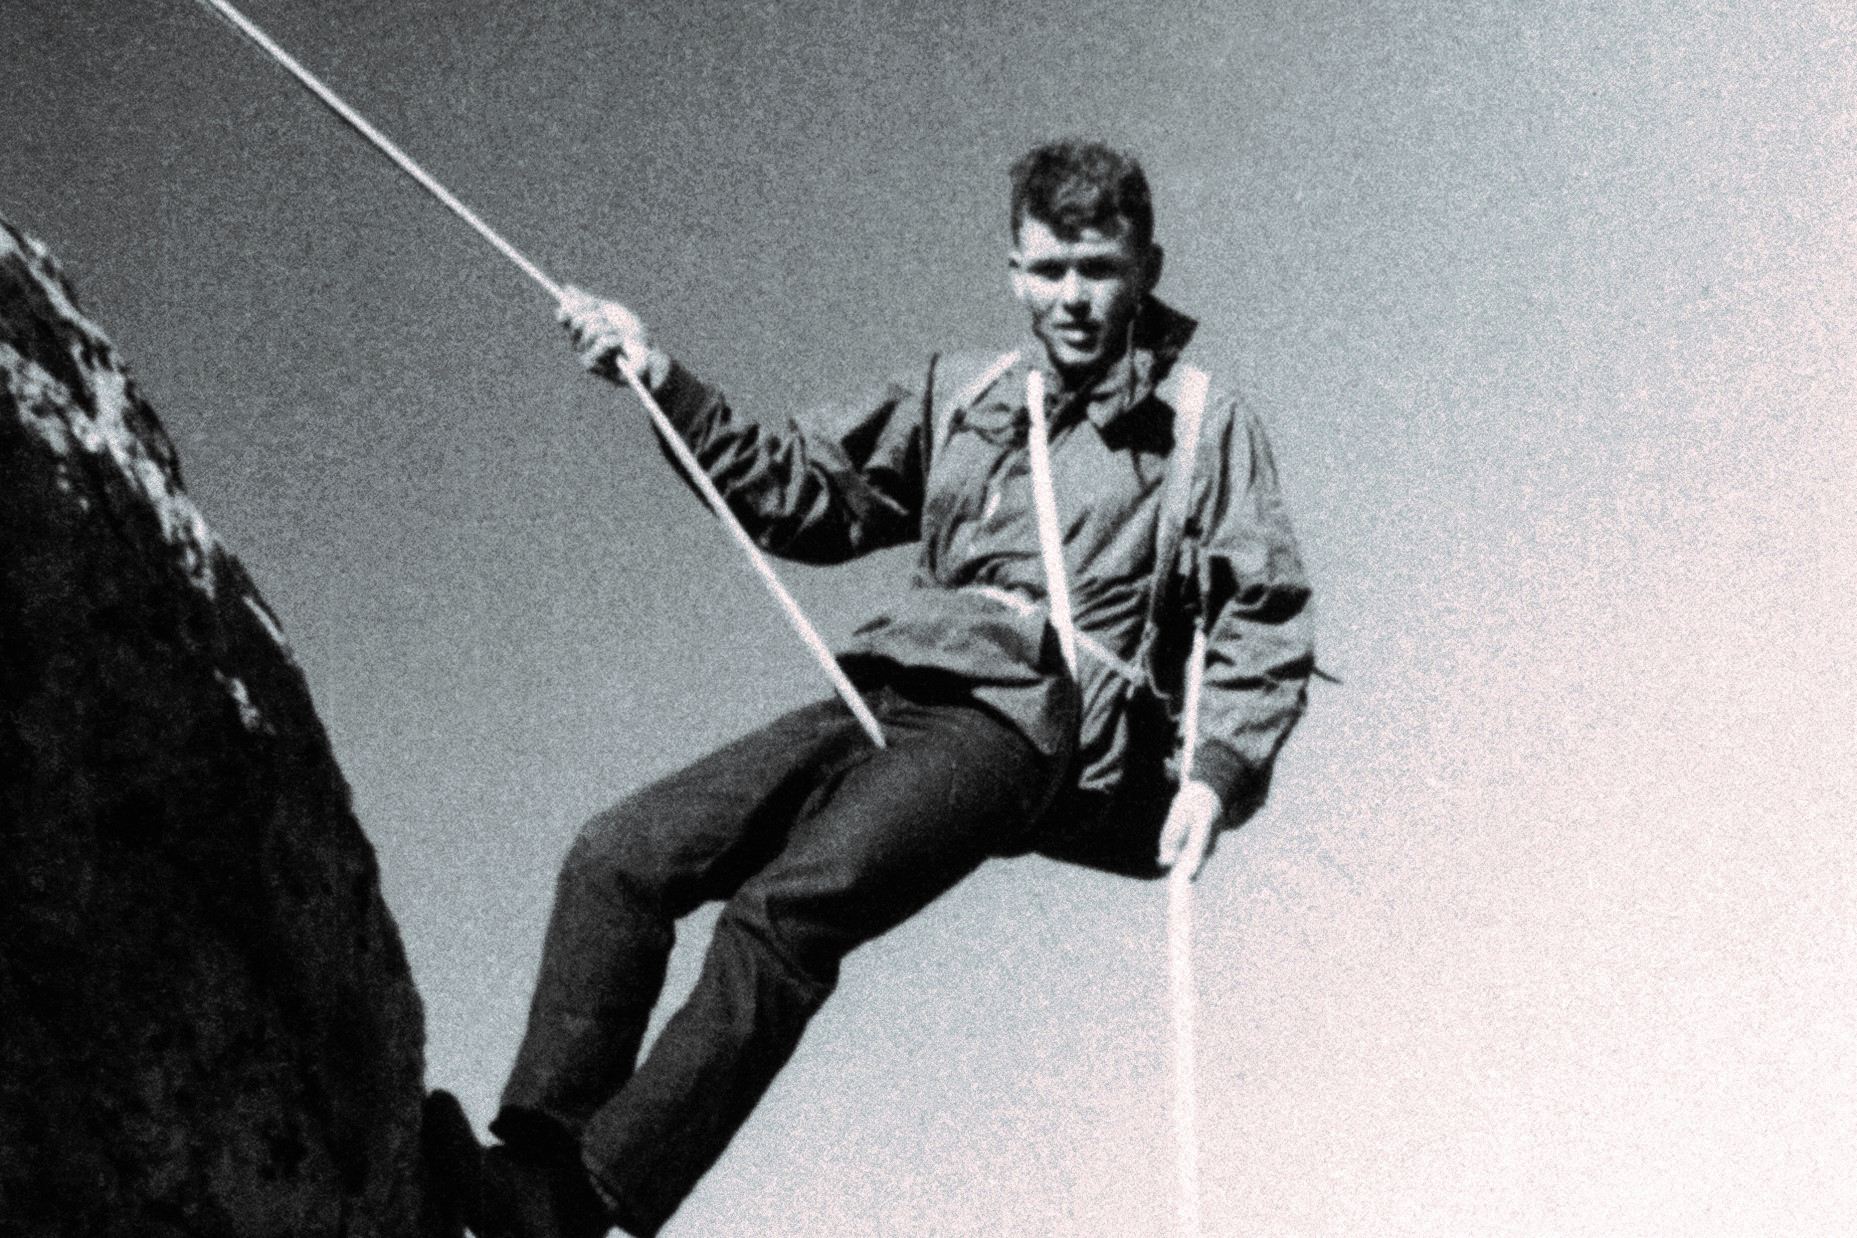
(1157, 337)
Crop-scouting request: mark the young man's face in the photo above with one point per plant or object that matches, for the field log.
(1081, 293)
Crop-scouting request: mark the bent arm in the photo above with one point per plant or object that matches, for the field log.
(816, 495)
(811, 493)
(1259, 647)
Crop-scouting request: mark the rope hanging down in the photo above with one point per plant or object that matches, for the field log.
(692, 467)
(1180, 982)
(1182, 988)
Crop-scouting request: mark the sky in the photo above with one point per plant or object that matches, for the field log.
(1551, 310)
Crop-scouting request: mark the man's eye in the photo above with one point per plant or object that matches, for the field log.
(1100, 269)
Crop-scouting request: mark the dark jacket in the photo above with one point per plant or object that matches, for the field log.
(934, 461)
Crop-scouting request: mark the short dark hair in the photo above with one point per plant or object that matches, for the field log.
(1072, 185)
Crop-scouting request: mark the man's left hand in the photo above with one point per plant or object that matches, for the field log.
(1187, 836)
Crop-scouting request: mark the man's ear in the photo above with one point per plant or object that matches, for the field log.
(1016, 265)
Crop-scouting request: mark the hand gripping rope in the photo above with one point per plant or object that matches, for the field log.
(692, 467)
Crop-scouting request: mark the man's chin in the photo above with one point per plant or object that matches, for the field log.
(1070, 356)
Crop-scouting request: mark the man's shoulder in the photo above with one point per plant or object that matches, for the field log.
(1196, 394)
(964, 375)
(1232, 436)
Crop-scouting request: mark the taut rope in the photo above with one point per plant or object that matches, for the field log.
(692, 467)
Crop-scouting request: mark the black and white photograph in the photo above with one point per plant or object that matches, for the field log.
(927, 620)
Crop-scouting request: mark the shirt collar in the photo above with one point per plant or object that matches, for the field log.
(1158, 336)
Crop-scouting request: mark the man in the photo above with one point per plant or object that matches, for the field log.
(815, 839)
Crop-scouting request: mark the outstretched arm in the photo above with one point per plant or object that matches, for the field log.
(803, 492)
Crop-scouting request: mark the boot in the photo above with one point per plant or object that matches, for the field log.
(505, 1192)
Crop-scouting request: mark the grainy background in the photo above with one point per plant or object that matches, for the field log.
(1550, 926)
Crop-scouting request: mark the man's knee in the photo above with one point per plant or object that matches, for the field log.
(599, 849)
(801, 953)
(682, 840)
(609, 863)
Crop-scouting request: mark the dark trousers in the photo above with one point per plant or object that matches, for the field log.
(818, 841)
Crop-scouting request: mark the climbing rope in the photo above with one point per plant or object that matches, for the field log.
(1050, 535)
(693, 469)
(1182, 989)
(1183, 992)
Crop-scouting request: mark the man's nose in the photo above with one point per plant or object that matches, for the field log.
(1070, 288)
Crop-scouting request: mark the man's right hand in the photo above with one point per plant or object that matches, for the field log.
(1189, 833)
(609, 336)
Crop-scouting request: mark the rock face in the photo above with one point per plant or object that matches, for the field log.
(207, 1026)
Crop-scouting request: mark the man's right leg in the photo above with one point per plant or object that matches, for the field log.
(631, 874)
(873, 845)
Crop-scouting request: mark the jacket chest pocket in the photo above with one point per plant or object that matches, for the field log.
(970, 483)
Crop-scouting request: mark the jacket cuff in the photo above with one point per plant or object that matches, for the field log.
(1221, 768)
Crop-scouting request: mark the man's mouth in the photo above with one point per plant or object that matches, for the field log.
(1074, 332)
